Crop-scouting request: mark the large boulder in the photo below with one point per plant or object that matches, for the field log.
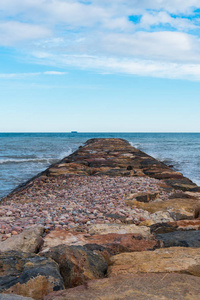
(28, 275)
(116, 243)
(152, 286)
(113, 243)
(175, 259)
(180, 238)
(77, 264)
(30, 240)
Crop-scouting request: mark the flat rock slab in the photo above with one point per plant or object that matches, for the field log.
(178, 208)
(30, 240)
(28, 275)
(113, 243)
(77, 264)
(138, 287)
(180, 239)
(120, 229)
(175, 259)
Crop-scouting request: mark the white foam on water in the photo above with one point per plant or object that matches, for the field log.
(18, 161)
(65, 153)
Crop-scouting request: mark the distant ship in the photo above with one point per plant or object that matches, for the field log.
(74, 131)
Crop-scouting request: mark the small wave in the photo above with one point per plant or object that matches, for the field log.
(34, 160)
(135, 145)
(41, 160)
(65, 153)
(25, 156)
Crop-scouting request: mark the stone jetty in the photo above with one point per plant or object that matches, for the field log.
(106, 222)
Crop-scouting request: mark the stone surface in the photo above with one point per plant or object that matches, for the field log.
(113, 243)
(163, 286)
(180, 239)
(175, 259)
(29, 240)
(77, 264)
(28, 275)
(177, 208)
(120, 229)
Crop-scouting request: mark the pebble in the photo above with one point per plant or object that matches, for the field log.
(68, 201)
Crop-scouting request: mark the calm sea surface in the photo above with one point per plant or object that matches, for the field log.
(23, 155)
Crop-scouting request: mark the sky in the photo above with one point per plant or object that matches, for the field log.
(99, 66)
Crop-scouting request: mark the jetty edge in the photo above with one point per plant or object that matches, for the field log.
(106, 222)
(113, 157)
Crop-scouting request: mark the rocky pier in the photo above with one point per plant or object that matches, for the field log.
(106, 222)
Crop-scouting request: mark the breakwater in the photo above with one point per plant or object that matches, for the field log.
(102, 207)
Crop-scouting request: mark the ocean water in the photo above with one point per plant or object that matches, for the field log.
(23, 155)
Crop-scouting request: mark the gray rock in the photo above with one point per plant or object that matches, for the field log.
(28, 275)
(180, 238)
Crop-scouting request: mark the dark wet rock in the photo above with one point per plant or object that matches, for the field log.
(28, 275)
(135, 286)
(77, 264)
(143, 197)
(175, 226)
(182, 195)
(180, 239)
(183, 184)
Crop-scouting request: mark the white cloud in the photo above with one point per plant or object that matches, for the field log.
(163, 18)
(100, 36)
(13, 32)
(98, 12)
(166, 46)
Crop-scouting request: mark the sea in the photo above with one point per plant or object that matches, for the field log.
(24, 155)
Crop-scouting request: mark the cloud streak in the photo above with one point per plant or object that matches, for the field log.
(27, 75)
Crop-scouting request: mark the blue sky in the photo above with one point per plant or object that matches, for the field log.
(105, 66)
